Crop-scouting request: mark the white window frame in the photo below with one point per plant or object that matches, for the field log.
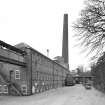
(23, 89)
(5, 89)
(17, 71)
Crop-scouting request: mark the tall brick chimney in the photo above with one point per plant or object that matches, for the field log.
(65, 40)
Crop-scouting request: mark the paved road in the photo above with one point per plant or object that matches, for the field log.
(74, 95)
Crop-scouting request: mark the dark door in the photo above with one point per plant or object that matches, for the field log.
(11, 76)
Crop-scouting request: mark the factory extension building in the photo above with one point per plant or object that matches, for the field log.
(25, 71)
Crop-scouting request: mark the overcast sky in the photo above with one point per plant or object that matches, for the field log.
(39, 23)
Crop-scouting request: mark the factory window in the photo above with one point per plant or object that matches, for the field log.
(0, 88)
(24, 89)
(5, 89)
(17, 74)
(40, 59)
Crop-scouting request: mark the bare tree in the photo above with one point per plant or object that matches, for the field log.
(90, 26)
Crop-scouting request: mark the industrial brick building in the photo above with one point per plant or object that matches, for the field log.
(25, 71)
